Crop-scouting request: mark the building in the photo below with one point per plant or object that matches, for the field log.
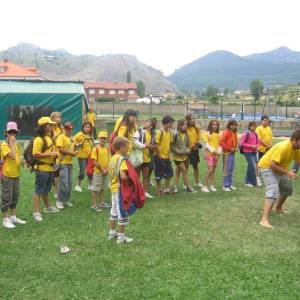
(120, 90)
(12, 71)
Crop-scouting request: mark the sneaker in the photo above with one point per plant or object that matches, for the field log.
(212, 188)
(149, 196)
(69, 204)
(124, 240)
(37, 217)
(199, 185)
(185, 187)
(175, 190)
(59, 205)
(191, 190)
(112, 236)
(16, 220)
(105, 205)
(8, 224)
(51, 209)
(151, 183)
(233, 188)
(78, 188)
(90, 187)
(95, 208)
(226, 189)
(205, 189)
(249, 185)
(167, 191)
(55, 196)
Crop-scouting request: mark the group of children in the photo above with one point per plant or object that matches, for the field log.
(150, 149)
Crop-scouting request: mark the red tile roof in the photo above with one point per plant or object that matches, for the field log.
(110, 85)
(13, 70)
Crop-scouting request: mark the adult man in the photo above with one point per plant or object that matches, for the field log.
(274, 168)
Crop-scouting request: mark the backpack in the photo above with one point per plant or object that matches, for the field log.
(28, 156)
(241, 148)
(113, 136)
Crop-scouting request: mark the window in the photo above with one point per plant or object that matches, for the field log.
(101, 91)
(121, 92)
(2, 69)
(131, 92)
(92, 99)
(112, 92)
(92, 91)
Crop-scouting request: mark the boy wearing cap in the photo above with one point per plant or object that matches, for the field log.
(10, 154)
(44, 155)
(100, 156)
(65, 146)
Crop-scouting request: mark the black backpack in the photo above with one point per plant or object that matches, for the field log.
(28, 156)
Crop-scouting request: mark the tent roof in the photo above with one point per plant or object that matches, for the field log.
(41, 87)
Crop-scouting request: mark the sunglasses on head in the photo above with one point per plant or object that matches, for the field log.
(12, 132)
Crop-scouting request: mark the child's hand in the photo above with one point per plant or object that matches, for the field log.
(105, 172)
(292, 175)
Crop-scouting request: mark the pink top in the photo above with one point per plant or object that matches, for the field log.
(251, 141)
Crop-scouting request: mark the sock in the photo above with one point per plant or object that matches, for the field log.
(121, 236)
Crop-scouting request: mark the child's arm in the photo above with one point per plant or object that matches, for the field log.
(123, 176)
(11, 144)
(136, 141)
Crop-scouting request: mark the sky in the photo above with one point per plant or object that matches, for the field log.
(161, 33)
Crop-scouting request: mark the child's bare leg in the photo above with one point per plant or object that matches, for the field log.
(266, 212)
(196, 173)
(112, 225)
(177, 175)
(56, 185)
(36, 203)
(184, 175)
(279, 204)
(158, 184)
(94, 199)
(168, 181)
(46, 200)
(101, 197)
(208, 175)
(145, 178)
(13, 212)
(212, 176)
(121, 229)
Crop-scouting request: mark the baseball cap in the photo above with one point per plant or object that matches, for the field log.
(102, 134)
(68, 125)
(11, 126)
(45, 120)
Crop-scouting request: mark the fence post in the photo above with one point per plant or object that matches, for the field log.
(113, 108)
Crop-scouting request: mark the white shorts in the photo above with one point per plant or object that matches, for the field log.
(115, 213)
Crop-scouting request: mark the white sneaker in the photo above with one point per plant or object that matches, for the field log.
(69, 204)
(233, 188)
(78, 188)
(199, 185)
(148, 196)
(212, 188)
(90, 187)
(124, 240)
(249, 185)
(55, 196)
(258, 181)
(151, 183)
(205, 189)
(112, 236)
(8, 224)
(16, 220)
(50, 210)
(226, 189)
(175, 190)
(59, 205)
(37, 217)
(191, 190)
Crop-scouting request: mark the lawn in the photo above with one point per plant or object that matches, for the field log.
(186, 246)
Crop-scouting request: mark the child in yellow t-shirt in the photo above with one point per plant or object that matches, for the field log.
(10, 183)
(213, 150)
(84, 143)
(120, 145)
(66, 150)
(100, 156)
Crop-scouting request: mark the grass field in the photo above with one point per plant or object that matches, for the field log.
(199, 246)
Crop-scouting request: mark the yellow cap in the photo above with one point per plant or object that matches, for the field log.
(45, 120)
(102, 134)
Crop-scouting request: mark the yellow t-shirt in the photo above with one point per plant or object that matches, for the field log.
(181, 157)
(114, 180)
(11, 167)
(48, 162)
(66, 143)
(123, 131)
(85, 143)
(102, 158)
(163, 140)
(282, 153)
(91, 117)
(146, 151)
(194, 135)
(56, 132)
(213, 140)
(265, 135)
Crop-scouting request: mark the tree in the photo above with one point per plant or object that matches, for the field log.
(212, 91)
(128, 76)
(226, 92)
(256, 88)
(140, 88)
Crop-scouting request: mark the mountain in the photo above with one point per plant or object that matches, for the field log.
(62, 65)
(225, 69)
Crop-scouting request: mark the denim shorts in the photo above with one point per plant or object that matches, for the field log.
(43, 182)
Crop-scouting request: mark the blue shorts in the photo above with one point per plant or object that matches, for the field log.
(43, 182)
(162, 168)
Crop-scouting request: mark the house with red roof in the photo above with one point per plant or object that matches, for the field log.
(11, 71)
(120, 90)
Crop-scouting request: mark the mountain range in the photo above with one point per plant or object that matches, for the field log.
(225, 69)
(62, 65)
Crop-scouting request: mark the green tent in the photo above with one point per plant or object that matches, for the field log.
(26, 101)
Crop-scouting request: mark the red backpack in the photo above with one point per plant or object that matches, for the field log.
(112, 137)
(90, 163)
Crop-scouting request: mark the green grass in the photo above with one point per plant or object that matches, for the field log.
(200, 246)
